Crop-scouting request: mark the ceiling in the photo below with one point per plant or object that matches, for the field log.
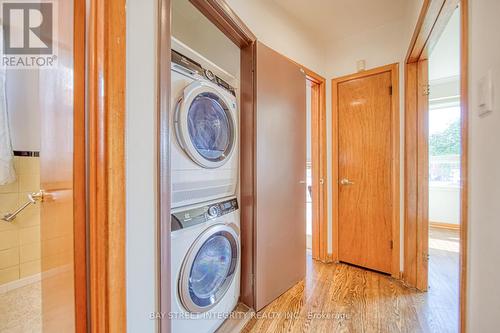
(337, 19)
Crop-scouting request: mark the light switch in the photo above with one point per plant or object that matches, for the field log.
(361, 65)
(485, 97)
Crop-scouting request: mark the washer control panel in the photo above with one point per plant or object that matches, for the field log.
(185, 218)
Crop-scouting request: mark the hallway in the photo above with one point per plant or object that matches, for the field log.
(350, 299)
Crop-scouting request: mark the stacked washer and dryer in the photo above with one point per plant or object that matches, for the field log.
(205, 219)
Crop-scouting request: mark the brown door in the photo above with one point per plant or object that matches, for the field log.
(365, 173)
(62, 217)
(280, 174)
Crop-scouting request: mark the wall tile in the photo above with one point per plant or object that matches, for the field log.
(9, 239)
(29, 165)
(29, 235)
(29, 252)
(29, 182)
(8, 202)
(9, 274)
(20, 239)
(30, 216)
(5, 226)
(9, 257)
(30, 268)
(10, 188)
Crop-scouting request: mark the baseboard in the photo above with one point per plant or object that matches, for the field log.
(442, 225)
(20, 283)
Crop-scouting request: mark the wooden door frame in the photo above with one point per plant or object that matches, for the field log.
(433, 18)
(394, 70)
(319, 167)
(79, 167)
(106, 165)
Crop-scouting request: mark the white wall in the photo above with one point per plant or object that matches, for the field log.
(282, 33)
(483, 306)
(383, 45)
(193, 29)
(141, 182)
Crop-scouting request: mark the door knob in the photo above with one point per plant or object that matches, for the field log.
(346, 181)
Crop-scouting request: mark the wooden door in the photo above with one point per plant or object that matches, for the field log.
(62, 176)
(365, 171)
(280, 221)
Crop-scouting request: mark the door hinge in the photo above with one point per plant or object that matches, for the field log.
(390, 90)
(427, 90)
(392, 245)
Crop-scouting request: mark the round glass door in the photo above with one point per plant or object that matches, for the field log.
(206, 128)
(209, 127)
(209, 269)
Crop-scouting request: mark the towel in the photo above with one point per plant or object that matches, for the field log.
(7, 174)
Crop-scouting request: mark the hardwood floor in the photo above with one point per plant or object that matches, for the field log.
(343, 298)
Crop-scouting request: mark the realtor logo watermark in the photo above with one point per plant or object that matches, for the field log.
(28, 34)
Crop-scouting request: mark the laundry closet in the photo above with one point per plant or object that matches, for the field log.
(236, 173)
(204, 168)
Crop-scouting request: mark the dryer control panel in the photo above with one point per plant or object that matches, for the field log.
(193, 216)
(192, 67)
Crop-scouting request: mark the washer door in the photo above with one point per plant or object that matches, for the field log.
(209, 268)
(205, 126)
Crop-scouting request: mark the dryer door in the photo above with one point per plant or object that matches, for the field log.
(205, 125)
(209, 268)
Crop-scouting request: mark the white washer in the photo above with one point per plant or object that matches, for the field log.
(205, 265)
(204, 142)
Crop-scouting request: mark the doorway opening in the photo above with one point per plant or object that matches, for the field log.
(316, 210)
(436, 136)
(43, 283)
(445, 169)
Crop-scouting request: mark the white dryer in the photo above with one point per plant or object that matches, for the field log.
(204, 127)
(205, 243)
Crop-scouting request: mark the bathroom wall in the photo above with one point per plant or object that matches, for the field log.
(22, 104)
(20, 239)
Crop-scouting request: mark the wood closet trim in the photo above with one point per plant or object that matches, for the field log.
(79, 169)
(320, 251)
(396, 220)
(464, 144)
(220, 14)
(432, 21)
(106, 147)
